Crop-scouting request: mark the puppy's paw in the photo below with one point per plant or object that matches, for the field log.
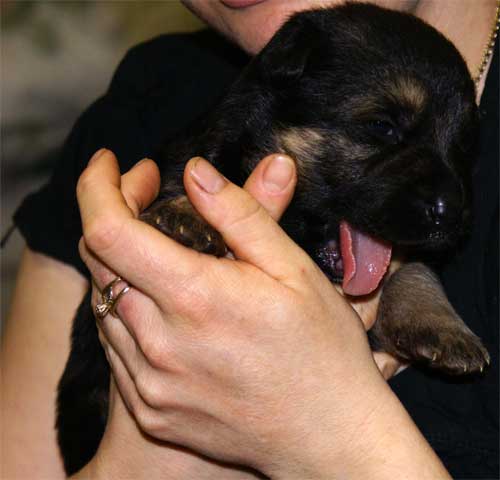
(455, 351)
(417, 323)
(177, 219)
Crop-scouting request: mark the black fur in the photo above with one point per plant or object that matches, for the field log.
(83, 393)
(336, 71)
(378, 110)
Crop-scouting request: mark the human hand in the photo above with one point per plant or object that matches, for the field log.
(146, 457)
(256, 363)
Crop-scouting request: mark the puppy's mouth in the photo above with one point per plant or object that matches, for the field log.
(356, 259)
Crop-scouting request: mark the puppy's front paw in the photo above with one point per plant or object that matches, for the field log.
(416, 322)
(177, 219)
(454, 350)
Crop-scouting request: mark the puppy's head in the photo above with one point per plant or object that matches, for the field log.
(378, 109)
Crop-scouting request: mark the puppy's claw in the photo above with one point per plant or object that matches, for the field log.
(452, 351)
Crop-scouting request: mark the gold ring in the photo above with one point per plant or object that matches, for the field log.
(108, 300)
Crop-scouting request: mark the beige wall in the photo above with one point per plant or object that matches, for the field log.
(56, 58)
(149, 18)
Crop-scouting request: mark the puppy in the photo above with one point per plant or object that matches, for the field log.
(378, 110)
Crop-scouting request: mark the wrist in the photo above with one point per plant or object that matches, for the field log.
(391, 446)
(339, 442)
(126, 452)
(376, 439)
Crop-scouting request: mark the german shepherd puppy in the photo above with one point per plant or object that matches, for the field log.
(378, 110)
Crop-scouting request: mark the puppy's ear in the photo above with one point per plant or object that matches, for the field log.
(286, 57)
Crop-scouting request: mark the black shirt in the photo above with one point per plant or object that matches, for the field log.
(158, 89)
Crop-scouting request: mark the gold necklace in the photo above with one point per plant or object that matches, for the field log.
(488, 51)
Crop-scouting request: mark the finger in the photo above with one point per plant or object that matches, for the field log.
(387, 364)
(115, 335)
(125, 384)
(365, 306)
(102, 169)
(101, 275)
(148, 390)
(248, 230)
(140, 185)
(138, 324)
(272, 184)
(111, 328)
(122, 242)
(149, 405)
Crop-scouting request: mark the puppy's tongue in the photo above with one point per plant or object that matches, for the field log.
(365, 260)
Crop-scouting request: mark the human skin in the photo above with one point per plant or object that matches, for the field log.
(122, 426)
(252, 27)
(35, 346)
(248, 379)
(29, 448)
(234, 34)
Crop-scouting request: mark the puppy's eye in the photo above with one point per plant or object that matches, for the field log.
(385, 131)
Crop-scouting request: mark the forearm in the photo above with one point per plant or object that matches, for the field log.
(126, 452)
(393, 447)
(35, 346)
(380, 441)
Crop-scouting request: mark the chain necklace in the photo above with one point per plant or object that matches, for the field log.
(488, 50)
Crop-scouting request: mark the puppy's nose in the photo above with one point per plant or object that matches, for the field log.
(438, 212)
(441, 212)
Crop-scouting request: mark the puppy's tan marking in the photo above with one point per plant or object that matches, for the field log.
(307, 146)
(345, 146)
(304, 145)
(403, 91)
(409, 92)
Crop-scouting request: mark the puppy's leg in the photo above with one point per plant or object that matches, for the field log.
(416, 323)
(178, 219)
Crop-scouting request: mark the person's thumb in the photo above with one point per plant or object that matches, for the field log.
(272, 183)
(247, 228)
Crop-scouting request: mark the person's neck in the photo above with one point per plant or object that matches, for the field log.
(468, 24)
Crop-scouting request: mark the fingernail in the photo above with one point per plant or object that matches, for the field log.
(278, 174)
(141, 161)
(98, 155)
(206, 176)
